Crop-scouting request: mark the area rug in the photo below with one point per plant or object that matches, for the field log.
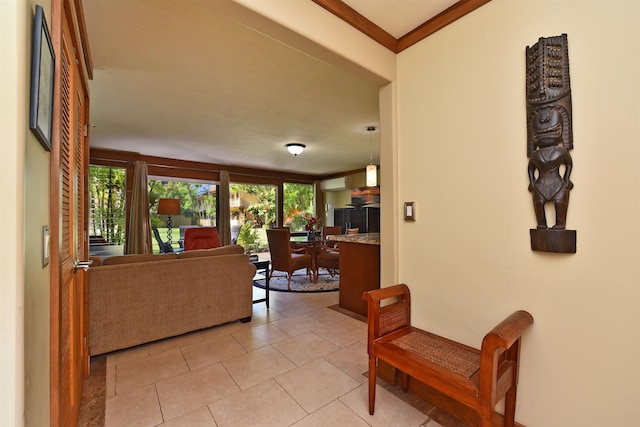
(301, 283)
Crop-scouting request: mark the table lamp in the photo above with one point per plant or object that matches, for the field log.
(169, 207)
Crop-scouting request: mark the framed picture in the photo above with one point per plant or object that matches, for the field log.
(42, 72)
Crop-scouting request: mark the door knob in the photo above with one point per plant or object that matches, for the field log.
(77, 264)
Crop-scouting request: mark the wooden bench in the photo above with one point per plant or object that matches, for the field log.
(474, 379)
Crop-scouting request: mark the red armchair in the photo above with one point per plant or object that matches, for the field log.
(201, 238)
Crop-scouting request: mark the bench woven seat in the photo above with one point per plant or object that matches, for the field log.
(440, 351)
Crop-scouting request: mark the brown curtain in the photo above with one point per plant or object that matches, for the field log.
(224, 211)
(139, 233)
(319, 204)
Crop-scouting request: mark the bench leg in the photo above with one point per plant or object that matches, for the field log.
(404, 381)
(510, 407)
(372, 384)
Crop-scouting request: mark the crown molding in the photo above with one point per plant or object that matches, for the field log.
(364, 25)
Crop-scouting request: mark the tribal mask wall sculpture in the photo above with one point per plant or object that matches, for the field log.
(549, 139)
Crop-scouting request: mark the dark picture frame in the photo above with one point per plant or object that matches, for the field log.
(42, 79)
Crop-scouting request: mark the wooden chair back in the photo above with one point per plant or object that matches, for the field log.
(283, 258)
(328, 230)
(280, 248)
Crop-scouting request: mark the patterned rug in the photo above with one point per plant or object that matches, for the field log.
(300, 283)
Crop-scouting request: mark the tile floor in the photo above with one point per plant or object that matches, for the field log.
(298, 363)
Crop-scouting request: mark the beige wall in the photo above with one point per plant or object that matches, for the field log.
(462, 159)
(13, 22)
(36, 279)
(24, 294)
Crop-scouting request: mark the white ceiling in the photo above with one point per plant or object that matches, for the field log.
(178, 80)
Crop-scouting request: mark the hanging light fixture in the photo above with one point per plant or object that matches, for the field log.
(372, 170)
(295, 148)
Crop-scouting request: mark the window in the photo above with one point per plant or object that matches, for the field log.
(198, 204)
(253, 210)
(106, 210)
(298, 201)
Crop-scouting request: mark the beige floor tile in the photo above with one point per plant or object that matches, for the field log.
(176, 342)
(226, 329)
(255, 367)
(199, 418)
(147, 370)
(344, 333)
(298, 363)
(259, 336)
(138, 407)
(389, 409)
(316, 384)
(263, 315)
(298, 324)
(328, 316)
(185, 393)
(352, 359)
(294, 309)
(324, 299)
(335, 413)
(285, 297)
(265, 404)
(110, 380)
(127, 355)
(211, 351)
(305, 348)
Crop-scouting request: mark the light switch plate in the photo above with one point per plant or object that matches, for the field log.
(46, 239)
(409, 211)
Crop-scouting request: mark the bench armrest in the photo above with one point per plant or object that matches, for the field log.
(391, 317)
(500, 352)
(378, 295)
(505, 333)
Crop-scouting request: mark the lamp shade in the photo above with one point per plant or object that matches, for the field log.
(372, 175)
(168, 207)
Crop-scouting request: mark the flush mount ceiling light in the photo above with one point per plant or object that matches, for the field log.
(372, 170)
(295, 148)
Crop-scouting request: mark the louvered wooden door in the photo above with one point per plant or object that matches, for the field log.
(69, 350)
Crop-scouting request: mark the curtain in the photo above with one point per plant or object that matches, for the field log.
(139, 233)
(321, 214)
(224, 210)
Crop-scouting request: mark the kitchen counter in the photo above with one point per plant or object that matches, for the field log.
(366, 238)
(359, 268)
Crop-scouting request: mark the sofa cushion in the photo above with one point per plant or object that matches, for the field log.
(222, 250)
(128, 259)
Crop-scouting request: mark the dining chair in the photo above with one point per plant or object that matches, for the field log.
(284, 257)
(328, 255)
(328, 230)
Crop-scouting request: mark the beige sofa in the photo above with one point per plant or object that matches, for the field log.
(135, 299)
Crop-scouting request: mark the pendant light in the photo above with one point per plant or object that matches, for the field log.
(372, 170)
